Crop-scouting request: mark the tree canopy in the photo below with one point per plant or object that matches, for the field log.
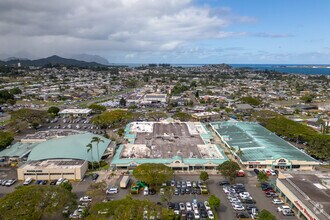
(214, 201)
(229, 170)
(53, 110)
(153, 174)
(307, 98)
(112, 118)
(36, 202)
(250, 100)
(156, 115)
(262, 177)
(5, 139)
(30, 115)
(97, 108)
(5, 96)
(182, 116)
(204, 176)
(179, 88)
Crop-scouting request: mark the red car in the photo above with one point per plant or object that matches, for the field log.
(269, 190)
(240, 173)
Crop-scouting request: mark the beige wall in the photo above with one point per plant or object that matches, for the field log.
(74, 173)
(301, 207)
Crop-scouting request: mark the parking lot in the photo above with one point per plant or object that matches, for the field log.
(225, 211)
(82, 124)
(78, 187)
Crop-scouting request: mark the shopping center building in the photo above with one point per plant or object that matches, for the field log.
(307, 194)
(256, 147)
(181, 145)
(64, 157)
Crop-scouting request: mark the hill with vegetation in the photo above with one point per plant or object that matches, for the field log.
(318, 145)
(53, 61)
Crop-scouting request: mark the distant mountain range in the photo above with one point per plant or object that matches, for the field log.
(54, 60)
(88, 58)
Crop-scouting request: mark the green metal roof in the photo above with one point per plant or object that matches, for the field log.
(69, 147)
(118, 161)
(18, 150)
(256, 142)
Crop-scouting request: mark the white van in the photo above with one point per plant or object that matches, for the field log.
(112, 190)
(27, 181)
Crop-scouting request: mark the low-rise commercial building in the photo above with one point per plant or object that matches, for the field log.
(75, 112)
(63, 157)
(182, 146)
(256, 147)
(53, 169)
(306, 193)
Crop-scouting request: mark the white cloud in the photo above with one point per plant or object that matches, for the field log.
(53, 26)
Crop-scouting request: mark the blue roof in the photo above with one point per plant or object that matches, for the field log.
(69, 147)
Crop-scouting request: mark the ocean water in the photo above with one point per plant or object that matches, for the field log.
(286, 68)
(283, 68)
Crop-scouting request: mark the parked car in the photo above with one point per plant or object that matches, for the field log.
(43, 182)
(224, 183)
(256, 171)
(188, 206)
(242, 215)
(288, 213)
(182, 206)
(272, 172)
(60, 180)
(53, 182)
(277, 201)
(95, 176)
(152, 191)
(196, 214)
(270, 194)
(28, 181)
(238, 207)
(283, 208)
(170, 205)
(210, 214)
(85, 199)
(112, 190)
(10, 182)
(207, 205)
(146, 191)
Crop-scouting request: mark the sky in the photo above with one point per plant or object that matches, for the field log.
(171, 31)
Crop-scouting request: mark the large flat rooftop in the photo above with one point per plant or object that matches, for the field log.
(310, 190)
(53, 164)
(165, 142)
(256, 142)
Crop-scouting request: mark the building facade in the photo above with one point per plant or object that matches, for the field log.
(53, 169)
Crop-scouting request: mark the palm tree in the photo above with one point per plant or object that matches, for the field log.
(97, 140)
(90, 148)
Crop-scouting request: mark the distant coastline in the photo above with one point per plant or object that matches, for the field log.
(314, 69)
